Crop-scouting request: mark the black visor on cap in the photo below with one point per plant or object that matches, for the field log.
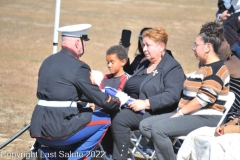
(84, 37)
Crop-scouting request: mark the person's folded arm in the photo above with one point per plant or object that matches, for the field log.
(192, 106)
(207, 94)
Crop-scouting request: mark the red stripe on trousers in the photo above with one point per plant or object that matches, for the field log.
(92, 123)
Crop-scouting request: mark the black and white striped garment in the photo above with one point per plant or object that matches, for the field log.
(235, 88)
(210, 84)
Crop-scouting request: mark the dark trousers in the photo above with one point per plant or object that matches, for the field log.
(117, 138)
(160, 129)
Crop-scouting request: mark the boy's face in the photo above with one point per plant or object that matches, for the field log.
(115, 65)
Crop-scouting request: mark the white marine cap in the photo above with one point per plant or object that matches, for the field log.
(78, 30)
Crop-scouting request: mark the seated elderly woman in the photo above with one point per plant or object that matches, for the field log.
(155, 87)
(203, 99)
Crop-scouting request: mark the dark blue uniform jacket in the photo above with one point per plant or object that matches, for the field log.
(62, 77)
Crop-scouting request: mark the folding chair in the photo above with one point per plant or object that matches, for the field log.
(135, 139)
(100, 148)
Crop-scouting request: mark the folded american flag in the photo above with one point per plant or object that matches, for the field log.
(113, 92)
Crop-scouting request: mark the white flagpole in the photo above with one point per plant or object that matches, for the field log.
(56, 26)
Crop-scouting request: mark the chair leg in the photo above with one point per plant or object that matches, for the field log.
(153, 155)
(132, 154)
(139, 150)
(174, 141)
(137, 142)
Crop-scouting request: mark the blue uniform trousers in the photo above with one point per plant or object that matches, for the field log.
(82, 144)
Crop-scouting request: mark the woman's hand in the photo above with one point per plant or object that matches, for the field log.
(219, 130)
(137, 105)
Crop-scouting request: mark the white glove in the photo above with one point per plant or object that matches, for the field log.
(123, 97)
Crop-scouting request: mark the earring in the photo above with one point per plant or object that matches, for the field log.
(228, 52)
(207, 49)
(162, 53)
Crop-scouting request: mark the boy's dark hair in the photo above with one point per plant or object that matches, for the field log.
(212, 32)
(119, 50)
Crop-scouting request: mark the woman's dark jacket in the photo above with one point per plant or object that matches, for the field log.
(163, 87)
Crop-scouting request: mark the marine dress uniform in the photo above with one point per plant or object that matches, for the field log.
(58, 119)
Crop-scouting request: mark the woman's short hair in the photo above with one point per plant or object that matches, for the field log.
(157, 34)
(119, 50)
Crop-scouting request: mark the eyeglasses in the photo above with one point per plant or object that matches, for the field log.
(196, 45)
